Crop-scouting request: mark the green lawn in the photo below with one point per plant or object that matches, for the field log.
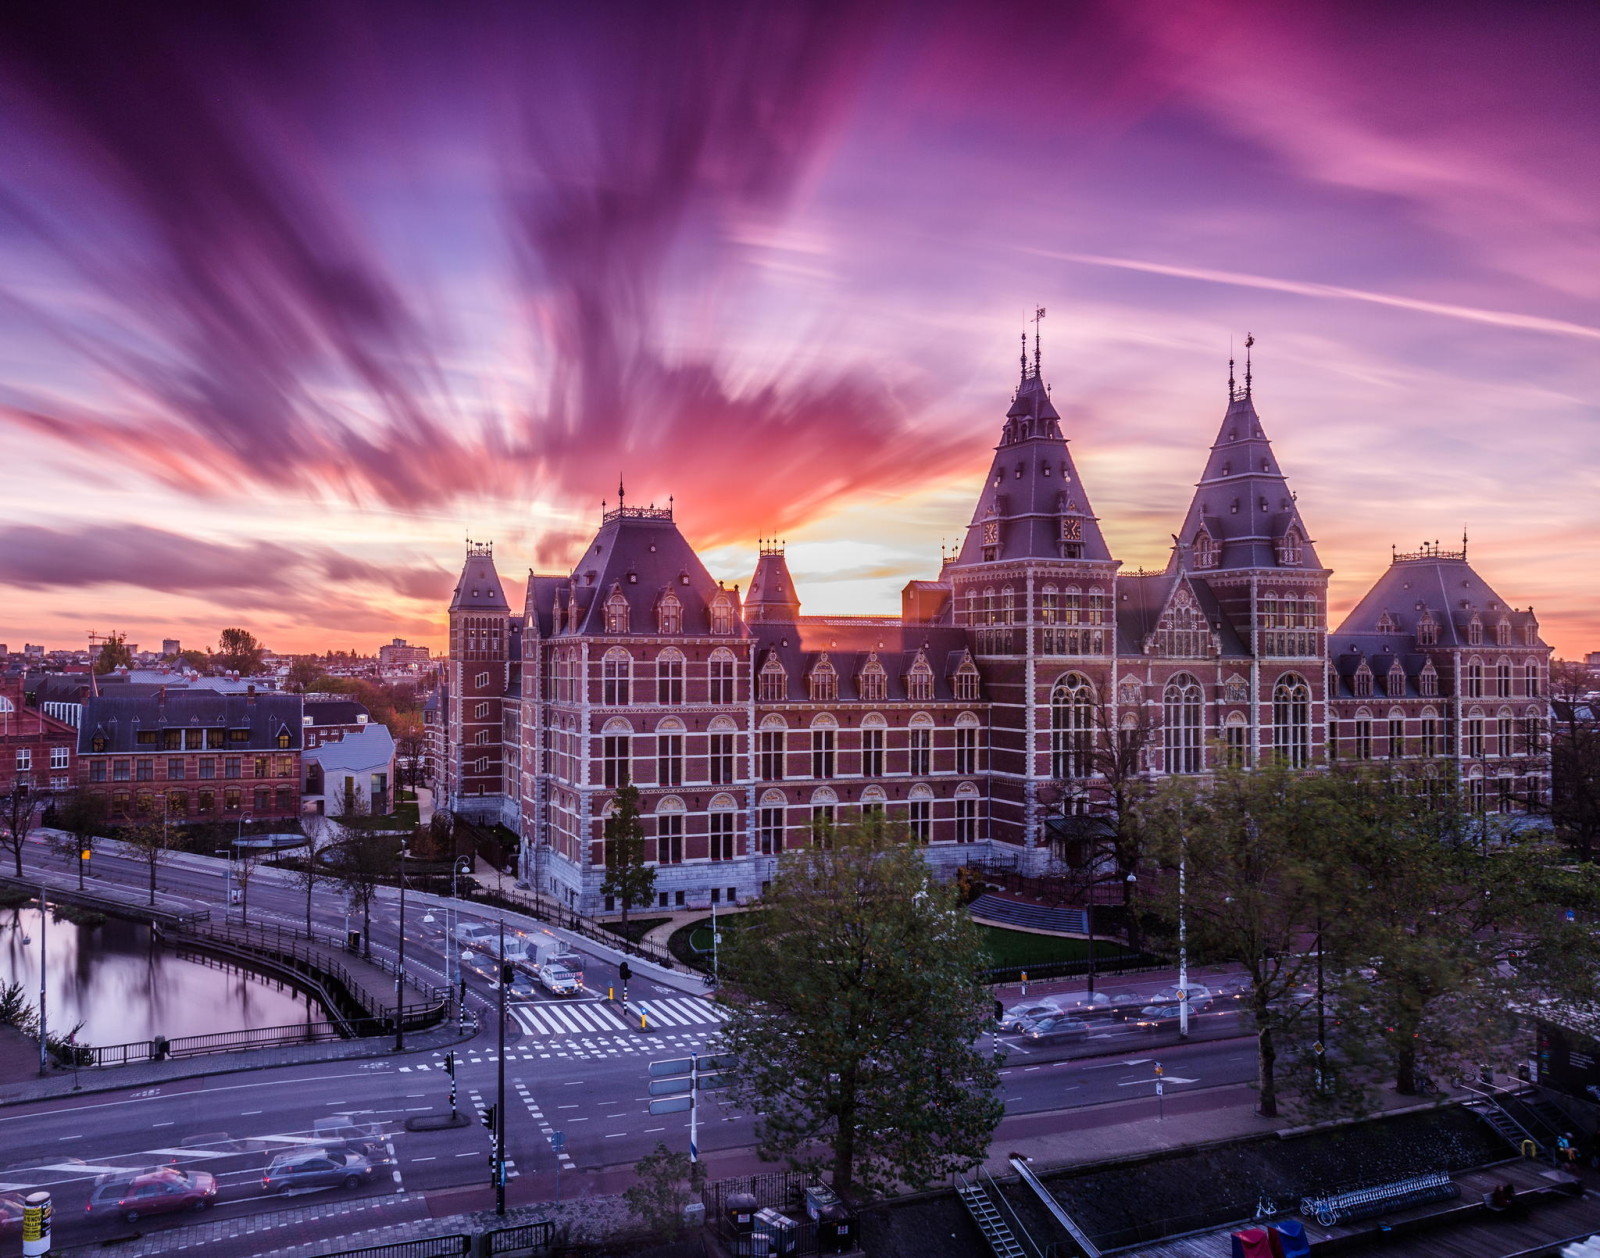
(638, 927)
(1018, 947)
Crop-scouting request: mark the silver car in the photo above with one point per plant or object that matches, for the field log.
(316, 1168)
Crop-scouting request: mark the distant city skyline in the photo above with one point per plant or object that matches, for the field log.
(298, 299)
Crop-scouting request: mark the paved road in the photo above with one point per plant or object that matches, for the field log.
(576, 1067)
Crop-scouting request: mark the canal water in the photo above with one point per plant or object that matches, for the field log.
(124, 987)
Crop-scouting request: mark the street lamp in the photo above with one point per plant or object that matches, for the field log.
(227, 877)
(400, 965)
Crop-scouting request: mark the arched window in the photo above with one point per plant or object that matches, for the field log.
(1394, 682)
(771, 822)
(824, 745)
(669, 677)
(616, 677)
(1236, 737)
(967, 803)
(1427, 630)
(1291, 720)
(617, 612)
(968, 731)
(919, 812)
(1071, 727)
(721, 614)
(1475, 630)
(1205, 549)
(919, 681)
(824, 812)
(616, 753)
(1530, 679)
(774, 681)
(670, 734)
(873, 799)
(1008, 605)
(1049, 605)
(1474, 678)
(720, 824)
(1502, 679)
(669, 831)
(874, 681)
(669, 614)
(1502, 632)
(1180, 724)
(720, 675)
(824, 681)
(919, 745)
(966, 681)
(874, 737)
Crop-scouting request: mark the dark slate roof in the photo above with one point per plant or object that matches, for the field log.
(640, 553)
(1379, 651)
(1032, 485)
(1440, 581)
(772, 598)
(1143, 597)
(1242, 472)
(119, 717)
(478, 589)
(335, 711)
(849, 643)
(540, 602)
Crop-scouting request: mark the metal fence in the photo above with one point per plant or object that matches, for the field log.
(780, 1191)
(1130, 963)
(533, 906)
(427, 1247)
(526, 1237)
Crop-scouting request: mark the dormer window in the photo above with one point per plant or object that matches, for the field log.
(873, 682)
(1205, 549)
(823, 681)
(1428, 681)
(919, 681)
(721, 614)
(669, 614)
(1502, 633)
(966, 681)
(1427, 630)
(1361, 681)
(774, 681)
(617, 612)
(1475, 630)
(1395, 683)
(1289, 546)
(1530, 633)
(1386, 624)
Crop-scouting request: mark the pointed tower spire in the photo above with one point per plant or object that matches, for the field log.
(1249, 340)
(1038, 314)
(772, 598)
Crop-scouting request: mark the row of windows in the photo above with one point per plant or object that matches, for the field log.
(1503, 736)
(60, 758)
(1474, 680)
(180, 768)
(203, 802)
(1069, 606)
(669, 612)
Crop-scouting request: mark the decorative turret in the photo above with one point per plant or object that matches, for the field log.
(772, 598)
(479, 589)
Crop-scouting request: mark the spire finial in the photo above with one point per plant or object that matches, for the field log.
(1231, 387)
(622, 494)
(1463, 541)
(1038, 314)
(1249, 340)
(1024, 339)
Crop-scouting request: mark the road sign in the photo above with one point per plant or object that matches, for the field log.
(670, 1087)
(558, 1140)
(703, 1064)
(671, 1105)
(710, 1083)
(671, 1066)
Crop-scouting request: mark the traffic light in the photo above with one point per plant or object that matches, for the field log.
(507, 973)
(450, 1064)
(488, 1116)
(999, 1011)
(624, 971)
(1159, 1071)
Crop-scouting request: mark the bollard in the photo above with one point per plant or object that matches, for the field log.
(644, 1023)
(36, 1212)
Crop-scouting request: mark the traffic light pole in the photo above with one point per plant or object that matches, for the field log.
(500, 1090)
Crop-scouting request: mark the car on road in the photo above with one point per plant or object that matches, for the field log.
(10, 1214)
(1125, 1005)
(523, 986)
(316, 1168)
(1018, 1017)
(1085, 1005)
(341, 1131)
(1056, 1030)
(1164, 1014)
(164, 1190)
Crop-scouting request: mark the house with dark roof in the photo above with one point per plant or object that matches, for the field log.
(192, 754)
(1011, 688)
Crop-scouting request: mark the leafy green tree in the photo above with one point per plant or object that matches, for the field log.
(114, 654)
(239, 652)
(854, 1012)
(668, 1181)
(82, 815)
(1258, 872)
(628, 876)
(200, 661)
(304, 674)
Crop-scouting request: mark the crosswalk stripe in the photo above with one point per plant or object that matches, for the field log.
(696, 1010)
(657, 1015)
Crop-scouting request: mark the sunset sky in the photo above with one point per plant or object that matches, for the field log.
(294, 298)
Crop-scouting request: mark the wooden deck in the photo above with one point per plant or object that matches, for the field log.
(1448, 1229)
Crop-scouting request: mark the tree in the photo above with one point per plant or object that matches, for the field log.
(82, 814)
(1256, 870)
(628, 876)
(321, 835)
(1575, 759)
(148, 840)
(304, 674)
(200, 661)
(114, 654)
(854, 1007)
(17, 811)
(410, 748)
(360, 861)
(667, 1183)
(239, 652)
(246, 861)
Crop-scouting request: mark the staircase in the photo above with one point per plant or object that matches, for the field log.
(1019, 915)
(1513, 1131)
(994, 1228)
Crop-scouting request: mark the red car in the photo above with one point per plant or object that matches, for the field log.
(10, 1214)
(162, 1191)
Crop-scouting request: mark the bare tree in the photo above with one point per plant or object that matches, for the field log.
(322, 833)
(1575, 758)
(247, 861)
(81, 814)
(360, 862)
(148, 840)
(16, 821)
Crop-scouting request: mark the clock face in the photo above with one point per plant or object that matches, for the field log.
(991, 532)
(1071, 529)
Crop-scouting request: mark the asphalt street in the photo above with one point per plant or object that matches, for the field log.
(577, 1076)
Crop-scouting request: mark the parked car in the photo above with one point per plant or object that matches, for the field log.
(1055, 1030)
(316, 1168)
(164, 1190)
(1125, 1005)
(1165, 1014)
(1019, 1016)
(1085, 1005)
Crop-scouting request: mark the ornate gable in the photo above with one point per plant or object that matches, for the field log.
(1183, 632)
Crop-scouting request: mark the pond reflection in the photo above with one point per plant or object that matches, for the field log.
(123, 986)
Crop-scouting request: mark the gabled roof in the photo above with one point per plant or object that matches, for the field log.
(479, 588)
(849, 646)
(1142, 599)
(118, 718)
(1243, 499)
(1033, 501)
(335, 711)
(367, 750)
(1437, 581)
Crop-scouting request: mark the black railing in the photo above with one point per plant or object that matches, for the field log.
(526, 1237)
(535, 907)
(1131, 963)
(200, 1045)
(427, 1247)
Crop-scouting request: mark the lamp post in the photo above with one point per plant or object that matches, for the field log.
(44, 1037)
(400, 965)
(1088, 920)
(500, 1083)
(1183, 947)
(227, 877)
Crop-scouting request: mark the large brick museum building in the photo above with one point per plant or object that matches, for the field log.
(988, 706)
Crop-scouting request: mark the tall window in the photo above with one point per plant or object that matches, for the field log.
(872, 752)
(1363, 736)
(721, 676)
(1475, 732)
(617, 616)
(669, 614)
(669, 757)
(1502, 679)
(1505, 730)
(616, 677)
(774, 684)
(1071, 727)
(614, 752)
(769, 827)
(1180, 717)
(824, 813)
(669, 838)
(824, 681)
(1397, 736)
(919, 817)
(722, 819)
(669, 677)
(1530, 679)
(823, 745)
(1291, 720)
(721, 615)
(1475, 631)
(1502, 633)
(1236, 736)
(721, 754)
(966, 819)
(770, 750)
(919, 759)
(1427, 630)
(966, 682)
(919, 681)
(966, 748)
(873, 682)
(1430, 733)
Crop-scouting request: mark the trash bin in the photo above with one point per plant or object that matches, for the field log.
(818, 1198)
(352, 940)
(781, 1232)
(836, 1230)
(740, 1211)
(158, 1048)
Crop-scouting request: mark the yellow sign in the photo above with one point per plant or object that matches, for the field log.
(85, 854)
(35, 1222)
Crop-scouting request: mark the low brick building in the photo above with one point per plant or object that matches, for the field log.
(194, 755)
(36, 750)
